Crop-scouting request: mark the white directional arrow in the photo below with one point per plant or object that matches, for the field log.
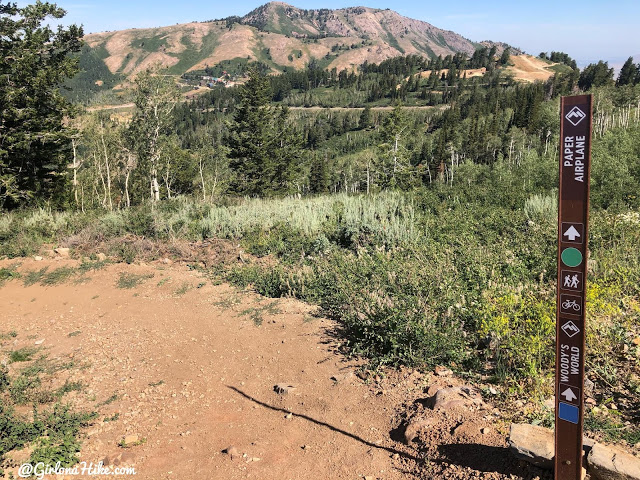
(569, 395)
(572, 233)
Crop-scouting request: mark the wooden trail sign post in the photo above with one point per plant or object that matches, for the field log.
(573, 229)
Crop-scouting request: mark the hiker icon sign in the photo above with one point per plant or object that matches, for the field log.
(571, 280)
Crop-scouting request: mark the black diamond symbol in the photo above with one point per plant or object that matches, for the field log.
(570, 329)
(575, 116)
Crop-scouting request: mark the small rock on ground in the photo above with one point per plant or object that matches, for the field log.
(452, 397)
(443, 371)
(232, 451)
(533, 444)
(284, 388)
(129, 440)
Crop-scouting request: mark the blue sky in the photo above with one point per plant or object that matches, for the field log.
(587, 30)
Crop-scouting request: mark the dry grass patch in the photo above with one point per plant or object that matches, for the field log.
(239, 42)
(529, 69)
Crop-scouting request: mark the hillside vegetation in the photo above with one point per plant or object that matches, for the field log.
(417, 210)
(277, 35)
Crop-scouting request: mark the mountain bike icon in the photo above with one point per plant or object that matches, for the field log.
(569, 304)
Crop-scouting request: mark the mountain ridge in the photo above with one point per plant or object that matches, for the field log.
(277, 34)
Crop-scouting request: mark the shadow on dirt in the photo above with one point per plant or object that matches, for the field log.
(326, 425)
(484, 458)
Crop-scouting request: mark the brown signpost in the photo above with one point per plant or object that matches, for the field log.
(573, 229)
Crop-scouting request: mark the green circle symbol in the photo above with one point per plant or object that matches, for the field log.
(571, 257)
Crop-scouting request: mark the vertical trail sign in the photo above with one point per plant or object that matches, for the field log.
(573, 229)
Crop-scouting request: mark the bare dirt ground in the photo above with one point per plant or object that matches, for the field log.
(189, 368)
(346, 109)
(111, 107)
(529, 69)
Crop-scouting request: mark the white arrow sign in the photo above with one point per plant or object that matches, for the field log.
(572, 233)
(569, 395)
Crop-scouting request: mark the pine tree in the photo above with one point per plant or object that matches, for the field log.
(35, 142)
(504, 58)
(286, 153)
(319, 176)
(250, 136)
(628, 73)
(365, 118)
(264, 148)
(596, 75)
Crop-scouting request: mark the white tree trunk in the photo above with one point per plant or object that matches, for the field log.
(75, 172)
(106, 163)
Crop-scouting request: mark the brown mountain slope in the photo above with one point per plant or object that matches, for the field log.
(280, 36)
(529, 69)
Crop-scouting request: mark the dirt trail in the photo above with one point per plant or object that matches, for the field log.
(110, 107)
(308, 109)
(346, 109)
(190, 368)
(194, 375)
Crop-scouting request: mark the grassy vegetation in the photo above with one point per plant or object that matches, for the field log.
(447, 275)
(8, 335)
(92, 265)
(52, 429)
(560, 68)
(109, 400)
(131, 280)
(194, 55)
(24, 354)
(184, 288)
(34, 276)
(7, 274)
(256, 314)
(57, 276)
(451, 280)
(612, 427)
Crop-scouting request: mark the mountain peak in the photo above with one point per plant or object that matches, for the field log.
(277, 4)
(277, 34)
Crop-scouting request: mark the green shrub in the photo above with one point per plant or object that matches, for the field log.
(23, 354)
(8, 274)
(4, 378)
(59, 441)
(34, 276)
(519, 327)
(24, 389)
(141, 221)
(15, 432)
(131, 280)
(542, 208)
(57, 276)
(53, 433)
